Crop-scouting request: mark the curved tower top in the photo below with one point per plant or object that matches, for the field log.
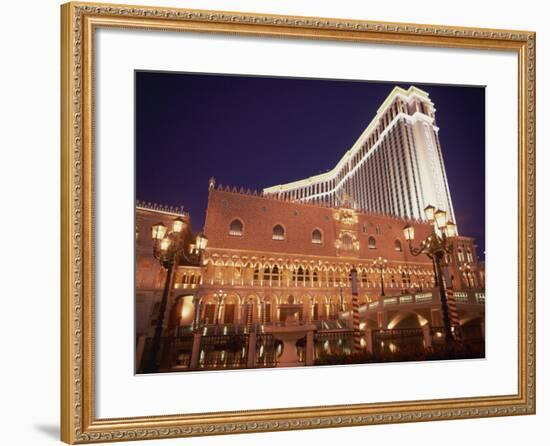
(395, 167)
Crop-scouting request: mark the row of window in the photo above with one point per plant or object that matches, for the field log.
(469, 255)
(236, 229)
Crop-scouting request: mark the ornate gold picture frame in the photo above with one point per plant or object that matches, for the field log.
(79, 423)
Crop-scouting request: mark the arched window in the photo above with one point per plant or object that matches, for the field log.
(275, 274)
(236, 228)
(267, 273)
(460, 255)
(372, 242)
(467, 278)
(397, 245)
(469, 255)
(299, 274)
(471, 279)
(278, 233)
(316, 237)
(347, 241)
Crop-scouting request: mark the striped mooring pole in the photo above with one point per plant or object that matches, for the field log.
(453, 312)
(355, 312)
(451, 304)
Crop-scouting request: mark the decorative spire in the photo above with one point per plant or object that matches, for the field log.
(211, 183)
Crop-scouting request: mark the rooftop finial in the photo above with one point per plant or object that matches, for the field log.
(211, 183)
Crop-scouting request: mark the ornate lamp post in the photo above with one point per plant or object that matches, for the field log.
(171, 248)
(381, 264)
(435, 246)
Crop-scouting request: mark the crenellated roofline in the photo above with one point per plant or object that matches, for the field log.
(161, 208)
(272, 198)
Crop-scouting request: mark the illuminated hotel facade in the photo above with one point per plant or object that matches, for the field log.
(291, 250)
(266, 255)
(395, 167)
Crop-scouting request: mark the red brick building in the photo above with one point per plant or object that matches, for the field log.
(264, 253)
(265, 250)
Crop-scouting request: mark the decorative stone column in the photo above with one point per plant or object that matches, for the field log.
(219, 310)
(239, 311)
(195, 351)
(196, 311)
(251, 355)
(310, 346)
(382, 317)
(427, 336)
(369, 341)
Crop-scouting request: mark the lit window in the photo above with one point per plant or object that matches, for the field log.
(299, 274)
(372, 242)
(347, 241)
(275, 274)
(316, 237)
(278, 233)
(236, 228)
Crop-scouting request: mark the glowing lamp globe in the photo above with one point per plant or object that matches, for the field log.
(429, 211)
(157, 231)
(408, 232)
(201, 242)
(450, 229)
(178, 224)
(441, 219)
(165, 244)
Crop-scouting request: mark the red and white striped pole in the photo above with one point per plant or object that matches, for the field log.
(451, 304)
(453, 312)
(355, 312)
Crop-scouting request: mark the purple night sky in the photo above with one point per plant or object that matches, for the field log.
(257, 132)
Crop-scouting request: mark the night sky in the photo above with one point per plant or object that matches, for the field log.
(257, 132)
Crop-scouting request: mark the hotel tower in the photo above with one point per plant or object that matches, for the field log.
(395, 167)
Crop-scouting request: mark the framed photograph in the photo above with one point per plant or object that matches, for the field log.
(275, 223)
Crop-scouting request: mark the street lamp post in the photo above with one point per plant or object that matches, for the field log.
(171, 248)
(435, 246)
(381, 264)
